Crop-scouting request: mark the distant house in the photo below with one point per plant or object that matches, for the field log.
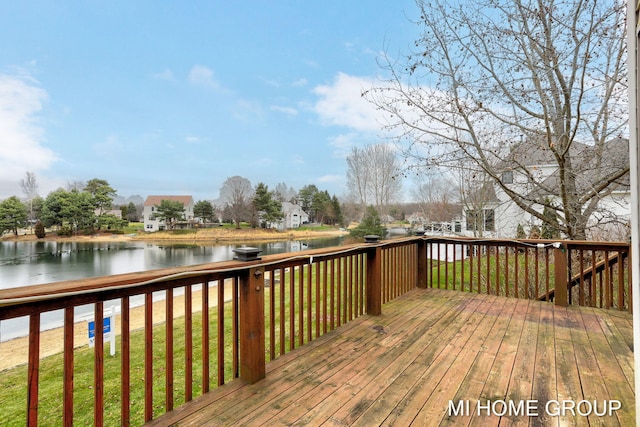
(115, 212)
(417, 219)
(293, 216)
(149, 211)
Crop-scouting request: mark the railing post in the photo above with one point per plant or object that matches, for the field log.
(421, 279)
(374, 281)
(560, 274)
(252, 325)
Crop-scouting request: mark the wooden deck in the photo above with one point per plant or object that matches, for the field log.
(430, 347)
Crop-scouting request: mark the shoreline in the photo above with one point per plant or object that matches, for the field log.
(202, 236)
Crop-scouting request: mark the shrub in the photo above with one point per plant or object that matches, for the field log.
(39, 230)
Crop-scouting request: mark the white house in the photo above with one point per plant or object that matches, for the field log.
(152, 223)
(498, 216)
(293, 217)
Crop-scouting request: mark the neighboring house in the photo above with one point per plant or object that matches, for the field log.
(417, 220)
(293, 216)
(152, 223)
(499, 216)
(115, 212)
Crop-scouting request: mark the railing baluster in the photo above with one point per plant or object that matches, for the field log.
(537, 271)
(316, 267)
(188, 343)
(620, 281)
(272, 314)
(282, 312)
(33, 369)
(301, 307)
(340, 290)
(292, 308)
(205, 337)
(148, 356)
(547, 275)
(234, 327)
(125, 361)
(221, 322)
(507, 285)
(581, 290)
(497, 262)
(516, 271)
(325, 313)
(98, 366)
(67, 417)
(309, 301)
(607, 280)
(169, 349)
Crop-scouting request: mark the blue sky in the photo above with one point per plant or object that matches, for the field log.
(173, 97)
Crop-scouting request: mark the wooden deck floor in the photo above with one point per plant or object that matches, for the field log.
(431, 347)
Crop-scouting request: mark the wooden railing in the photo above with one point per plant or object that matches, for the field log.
(205, 325)
(587, 273)
(201, 327)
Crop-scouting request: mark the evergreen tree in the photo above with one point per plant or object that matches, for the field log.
(204, 210)
(170, 211)
(267, 206)
(370, 225)
(13, 215)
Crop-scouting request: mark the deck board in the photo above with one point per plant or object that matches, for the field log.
(430, 347)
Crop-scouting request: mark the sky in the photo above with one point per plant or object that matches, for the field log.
(173, 97)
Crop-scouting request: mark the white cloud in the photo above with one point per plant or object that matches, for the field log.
(21, 133)
(341, 104)
(331, 179)
(165, 74)
(203, 76)
(300, 83)
(286, 110)
(192, 139)
(342, 144)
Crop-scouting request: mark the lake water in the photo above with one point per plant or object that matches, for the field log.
(32, 263)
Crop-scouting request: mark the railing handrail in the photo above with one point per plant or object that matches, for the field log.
(131, 281)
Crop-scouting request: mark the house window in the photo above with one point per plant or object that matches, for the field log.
(481, 220)
(458, 227)
(489, 220)
(507, 177)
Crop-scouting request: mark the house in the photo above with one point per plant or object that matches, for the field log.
(293, 216)
(115, 212)
(152, 223)
(496, 215)
(417, 220)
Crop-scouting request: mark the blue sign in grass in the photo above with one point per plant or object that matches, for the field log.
(106, 324)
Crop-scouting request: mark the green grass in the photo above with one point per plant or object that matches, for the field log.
(13, 382)
(133, 227)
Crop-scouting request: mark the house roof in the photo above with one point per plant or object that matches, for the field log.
(156, 200)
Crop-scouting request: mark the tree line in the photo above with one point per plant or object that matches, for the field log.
(88, 207)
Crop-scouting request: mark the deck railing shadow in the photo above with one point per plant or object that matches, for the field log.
(206, 325)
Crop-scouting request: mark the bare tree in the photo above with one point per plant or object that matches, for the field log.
(373, 176)
(508, 84)
(29, 187)
(284, 193)
(436, 195)
(236, 193)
